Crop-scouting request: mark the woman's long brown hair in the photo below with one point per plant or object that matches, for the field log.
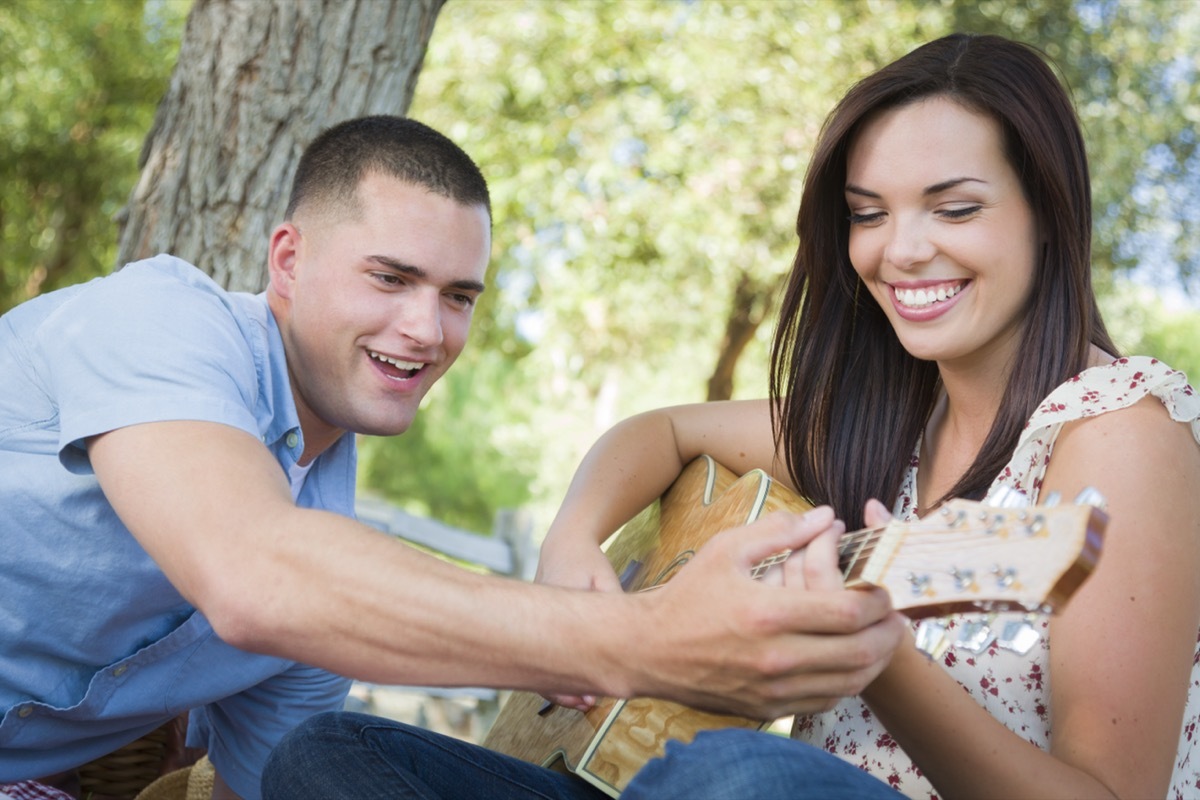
(848, 402)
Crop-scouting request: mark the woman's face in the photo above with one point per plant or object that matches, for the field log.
(941, 233)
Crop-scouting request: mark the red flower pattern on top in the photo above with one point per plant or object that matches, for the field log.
(1016, 688)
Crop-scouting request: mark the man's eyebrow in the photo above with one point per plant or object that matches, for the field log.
(933, 189)
(417, 272)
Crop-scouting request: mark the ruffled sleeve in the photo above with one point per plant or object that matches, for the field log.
(1090, 393)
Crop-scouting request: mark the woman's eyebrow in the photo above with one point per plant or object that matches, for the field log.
(853, 189)
(932, 189)
(950, 184)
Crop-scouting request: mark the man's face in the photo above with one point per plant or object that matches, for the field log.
(375, 307)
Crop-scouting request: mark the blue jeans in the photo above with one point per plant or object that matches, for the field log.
(740, 764)
(351, 756)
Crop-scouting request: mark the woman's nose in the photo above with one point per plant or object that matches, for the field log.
(909, 244)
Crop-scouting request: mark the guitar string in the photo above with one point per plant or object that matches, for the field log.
(866, 539)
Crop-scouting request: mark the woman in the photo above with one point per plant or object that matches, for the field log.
(940, 309)
(939, 338)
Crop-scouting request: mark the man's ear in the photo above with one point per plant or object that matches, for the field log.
(282, 257)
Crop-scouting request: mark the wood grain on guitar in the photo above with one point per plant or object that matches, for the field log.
(965, 557)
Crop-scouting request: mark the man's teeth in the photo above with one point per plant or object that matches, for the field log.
(396, 362)
(920, 298)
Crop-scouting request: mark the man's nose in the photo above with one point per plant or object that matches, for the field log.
(421, 318)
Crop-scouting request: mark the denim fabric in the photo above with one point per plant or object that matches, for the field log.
(348, 756)
(738, 764)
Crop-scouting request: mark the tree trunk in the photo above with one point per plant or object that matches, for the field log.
(255, 82)
(752, 303)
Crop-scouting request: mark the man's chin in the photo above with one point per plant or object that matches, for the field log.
(380, 419)
(385, 429)
(375, 424)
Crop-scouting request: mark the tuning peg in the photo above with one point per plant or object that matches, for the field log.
(920, 583)
(931, 638)
(1018, 636)
(963, 578)
(953, 518)
(1090, 496)
(975, 636)
(1052, 499)
(1005, 578)
(1008, 497)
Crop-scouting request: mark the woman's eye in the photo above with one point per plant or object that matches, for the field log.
(857, 218)
(962, 212)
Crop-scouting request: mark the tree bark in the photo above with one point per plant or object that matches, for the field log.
(752, 303)
(255, 82)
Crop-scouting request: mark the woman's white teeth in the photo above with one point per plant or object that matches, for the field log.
(920, 298)
(395, 362)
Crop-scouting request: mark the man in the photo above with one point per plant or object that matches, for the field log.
(176, 479)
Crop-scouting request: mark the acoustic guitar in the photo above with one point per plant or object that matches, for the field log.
(965, 557)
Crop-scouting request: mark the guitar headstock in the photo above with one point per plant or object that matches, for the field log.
(968, 556)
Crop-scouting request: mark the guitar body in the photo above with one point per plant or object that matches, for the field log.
(964, 557)
(611, 742)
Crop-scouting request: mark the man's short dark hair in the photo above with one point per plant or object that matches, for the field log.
(334, 164)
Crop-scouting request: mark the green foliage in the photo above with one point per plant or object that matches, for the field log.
(80, 81)
(471, 461)
(1142, 322)
(1174, 337)
(646, 158)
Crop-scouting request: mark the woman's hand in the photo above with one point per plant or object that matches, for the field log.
(575, 563)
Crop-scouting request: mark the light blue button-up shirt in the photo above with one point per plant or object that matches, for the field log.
(97, 647)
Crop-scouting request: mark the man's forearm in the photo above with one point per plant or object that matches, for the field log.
(344, 597)
(355, 602)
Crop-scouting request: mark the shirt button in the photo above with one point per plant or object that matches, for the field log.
(292, 439)
(119, 671)
(25, 711)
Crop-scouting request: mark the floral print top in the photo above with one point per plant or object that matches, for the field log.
(1015, 688)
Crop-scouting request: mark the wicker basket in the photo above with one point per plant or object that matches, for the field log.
(123, 773)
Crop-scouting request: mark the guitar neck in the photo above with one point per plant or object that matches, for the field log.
(971, 557)
(854, 551)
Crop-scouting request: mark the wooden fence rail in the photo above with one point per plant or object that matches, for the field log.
(510, 550)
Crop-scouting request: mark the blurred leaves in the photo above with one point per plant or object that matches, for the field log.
(79, 81)
(645, 159)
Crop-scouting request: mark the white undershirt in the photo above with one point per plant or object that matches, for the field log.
(297, 474)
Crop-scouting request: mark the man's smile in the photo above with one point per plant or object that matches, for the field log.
(397, 367)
